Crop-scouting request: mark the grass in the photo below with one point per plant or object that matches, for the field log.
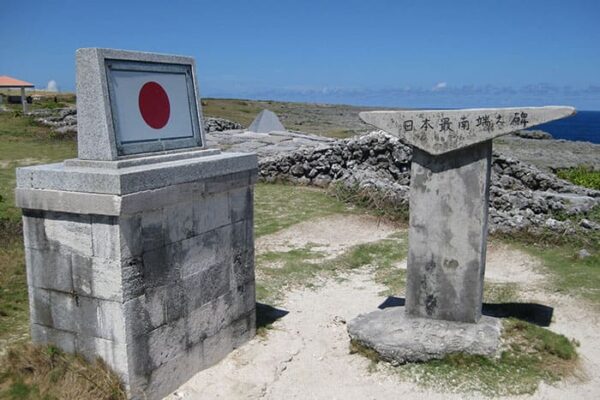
(530, 355)
(23, 143)
(14, 309)
(500, 292)
(374, 200)
(280, 206)
(277, 272)
(582, 176)
(559, 255)
(330, 120)
(45, 373)
(570, 274)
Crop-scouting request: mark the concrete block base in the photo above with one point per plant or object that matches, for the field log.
(159, 282)
(400, 338)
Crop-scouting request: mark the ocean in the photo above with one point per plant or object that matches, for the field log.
(583, 126)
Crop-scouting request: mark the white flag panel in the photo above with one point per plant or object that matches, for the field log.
(131, 124)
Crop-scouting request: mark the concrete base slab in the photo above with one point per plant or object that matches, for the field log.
(400, 338)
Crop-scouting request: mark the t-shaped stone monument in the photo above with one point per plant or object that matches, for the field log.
(450, 180)
(140, 251)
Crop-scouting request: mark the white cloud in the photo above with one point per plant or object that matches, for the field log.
(52, 86)
(440, 86)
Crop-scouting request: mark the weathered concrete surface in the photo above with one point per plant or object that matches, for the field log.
(448, 233)
(266, 121)
(442, 131)
(399, 338)
(158, 282)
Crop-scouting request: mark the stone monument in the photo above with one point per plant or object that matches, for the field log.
(140, 251)
(266, 122)
(450, 179)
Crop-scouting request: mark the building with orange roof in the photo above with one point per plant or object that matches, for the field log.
(13, 83)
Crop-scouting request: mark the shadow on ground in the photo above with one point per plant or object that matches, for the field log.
(266, 315)
(537, 314)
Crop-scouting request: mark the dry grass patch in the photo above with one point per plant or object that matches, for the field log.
(38, 372)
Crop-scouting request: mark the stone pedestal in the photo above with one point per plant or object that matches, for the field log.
(400, 338)
(448, 233)
(146, 262)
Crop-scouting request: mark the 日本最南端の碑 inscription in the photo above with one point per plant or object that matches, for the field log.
(441, 131)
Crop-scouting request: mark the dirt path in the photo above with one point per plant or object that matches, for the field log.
(306, 355)
(332, 234)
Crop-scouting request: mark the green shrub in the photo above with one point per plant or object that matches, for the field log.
(582, 176)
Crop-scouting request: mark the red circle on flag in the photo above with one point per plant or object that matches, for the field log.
(154, 105)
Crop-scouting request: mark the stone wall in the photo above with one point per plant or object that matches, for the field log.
(64, 121)
(521, 196)
(160, 293)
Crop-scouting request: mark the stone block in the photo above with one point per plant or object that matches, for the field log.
(64, 309)
(207, 320)
(87, 316)
(70, 231)
(106, 237)
(227, 182)
(34, 233)
(131, 239)
(244, 328)
(198, 253)
(211, 212)
(158, 267)
(115, 354)
(97, 277)
(240, 202)
(68, 202)
(132, 278)
(163, 197)
(100, 318)
(243, 254)
(49, 269)
(153, 230)
(206, 285)
(46, 335)
(217, 347)
(154, 308)
(179, 222)
(39, 306)
(244, 299)
(172, 374)
(162, 344)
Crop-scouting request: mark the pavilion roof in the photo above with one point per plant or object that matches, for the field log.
(7, 81)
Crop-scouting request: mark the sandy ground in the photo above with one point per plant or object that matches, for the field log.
(332, 235)
(306, 355)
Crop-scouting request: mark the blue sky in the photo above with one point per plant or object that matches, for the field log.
(370, 52)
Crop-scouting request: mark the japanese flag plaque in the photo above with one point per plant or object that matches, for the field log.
(118, 237)
(150, 104)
